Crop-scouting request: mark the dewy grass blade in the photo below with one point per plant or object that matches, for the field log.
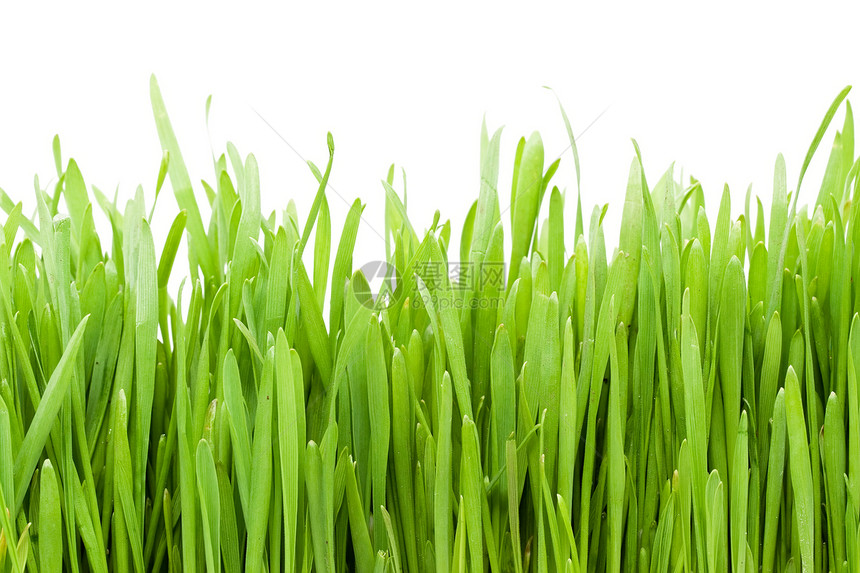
(615, 453)
(775, 471)
(404, 461)
(740, 496)
(210, 506)
(694, 401)
(123, 484)
(442, 486)
(833, 454)
(182, 183)
(380, 422)
(146, 326)
(45, 416)
(801, 473)
(471, 483)
(261, 487)
(239, 432)
(50, 521)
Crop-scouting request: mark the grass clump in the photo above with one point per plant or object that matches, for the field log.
(689, 403)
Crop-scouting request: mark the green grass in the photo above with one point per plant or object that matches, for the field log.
(688, 402)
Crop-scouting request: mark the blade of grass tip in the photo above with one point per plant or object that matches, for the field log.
(50, 521)
(694, 402)
(801, 472)
(396, 207)
(775, 472)
(466, 235)
(646, 348)
(555, 254)
(605, 329)
(780, 179)
(247, 232)
(802, 282)
(731, 319)
(7, 452)
(7, 532)
(662, 549)
(567, 440)
(23, 548)
(630, 241)
(276, 507)
(778, 224)
(123, 487)
(768, 382)
(854, 417)
(75, 193)
(46, 415)
(471, 483)
(311, 319)
(381, 564)
(301, 428)
(513, 501)
(615, 454)
(58, 156)
(402, 427)
(486, 316)
(528, 193)
(719, 259)
(171, 246)
(442, 482)
(288, 444)
(392, 541)
(146, 327)
(229, 527)
(833, 455)
(342, 269)
(573, 150)
(210, 507)
(685, 503)
(487, 214)
(322, 252)
(740, 496)
(317, 509)
(239, 433)
(318, 198)
(550, 523)
(380, 421)
(581, 266)
(852, 536)
(551, 388)
(819, 135)
(179, 179)
(518, 157)
(278, 281)
(185, 469)
(452, 334)
(261, 487)
(159, 181)
(696, 279)
(91, 539)
(357, 524)
(502, 392)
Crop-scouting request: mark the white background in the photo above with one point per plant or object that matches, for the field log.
(718, 91)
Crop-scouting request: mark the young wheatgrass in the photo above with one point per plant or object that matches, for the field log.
(688, 402)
